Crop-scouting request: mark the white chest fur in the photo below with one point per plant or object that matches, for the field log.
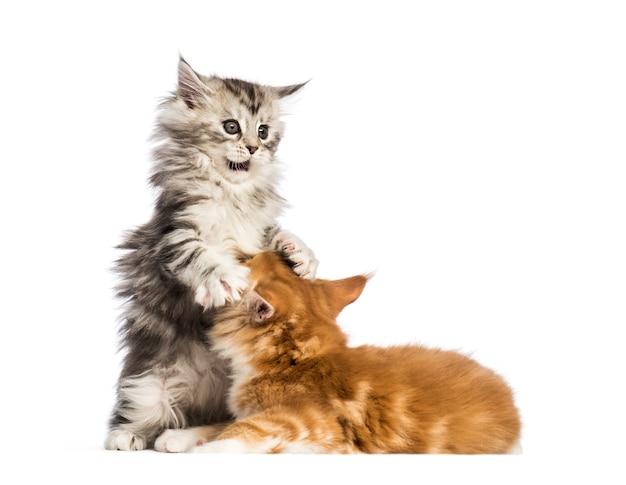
(238, 224)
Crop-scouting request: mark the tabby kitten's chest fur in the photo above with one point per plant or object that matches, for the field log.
(298, 386)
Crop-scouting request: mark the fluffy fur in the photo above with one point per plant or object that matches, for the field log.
(298, 387)
(215, 174)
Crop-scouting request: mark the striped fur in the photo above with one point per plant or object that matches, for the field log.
(298, 387)
(216, 203)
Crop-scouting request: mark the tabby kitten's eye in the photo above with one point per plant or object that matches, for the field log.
(264, 131)
(231, 127)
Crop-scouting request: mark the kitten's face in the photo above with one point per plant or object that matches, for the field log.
(235, 124)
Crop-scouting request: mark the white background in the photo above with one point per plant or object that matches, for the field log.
(471, 153)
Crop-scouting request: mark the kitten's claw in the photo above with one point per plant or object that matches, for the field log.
(225, 284)
(304, 261)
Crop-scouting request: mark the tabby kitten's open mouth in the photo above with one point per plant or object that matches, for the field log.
(239, 166)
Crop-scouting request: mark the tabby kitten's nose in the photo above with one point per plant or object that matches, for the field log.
(252, 149)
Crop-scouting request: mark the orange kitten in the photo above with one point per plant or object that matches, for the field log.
(298, 387)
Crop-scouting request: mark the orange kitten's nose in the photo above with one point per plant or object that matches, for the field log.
(252, 149)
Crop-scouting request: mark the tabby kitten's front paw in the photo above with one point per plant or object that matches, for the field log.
(124, 440)
(305, 262)
(177, 440)
(226, 283)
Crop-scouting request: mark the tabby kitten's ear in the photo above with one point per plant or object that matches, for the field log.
(259, 308)
(286, 91)
(343, 292)
(190, 87)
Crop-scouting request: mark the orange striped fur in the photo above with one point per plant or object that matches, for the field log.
(298, 387)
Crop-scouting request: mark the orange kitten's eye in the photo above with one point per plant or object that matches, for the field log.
(264, 131)
(231, 127)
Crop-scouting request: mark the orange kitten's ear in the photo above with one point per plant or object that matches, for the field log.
(259, 308)
(345, 291)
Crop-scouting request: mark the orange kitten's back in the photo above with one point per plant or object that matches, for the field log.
(430, 401)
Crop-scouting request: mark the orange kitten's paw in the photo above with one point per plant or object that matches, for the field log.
(177, 441)
(225, 284)
(303, 258)
(231, 445)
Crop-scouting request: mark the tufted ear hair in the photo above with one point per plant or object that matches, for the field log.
(260, 309)
(190, 86)
(285, 91)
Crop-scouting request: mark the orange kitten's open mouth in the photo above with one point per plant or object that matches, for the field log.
(239, 166)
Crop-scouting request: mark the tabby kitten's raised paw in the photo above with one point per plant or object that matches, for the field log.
(304, 261)
(225, 284)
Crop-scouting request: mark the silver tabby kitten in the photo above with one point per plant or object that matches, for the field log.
(215, 175)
